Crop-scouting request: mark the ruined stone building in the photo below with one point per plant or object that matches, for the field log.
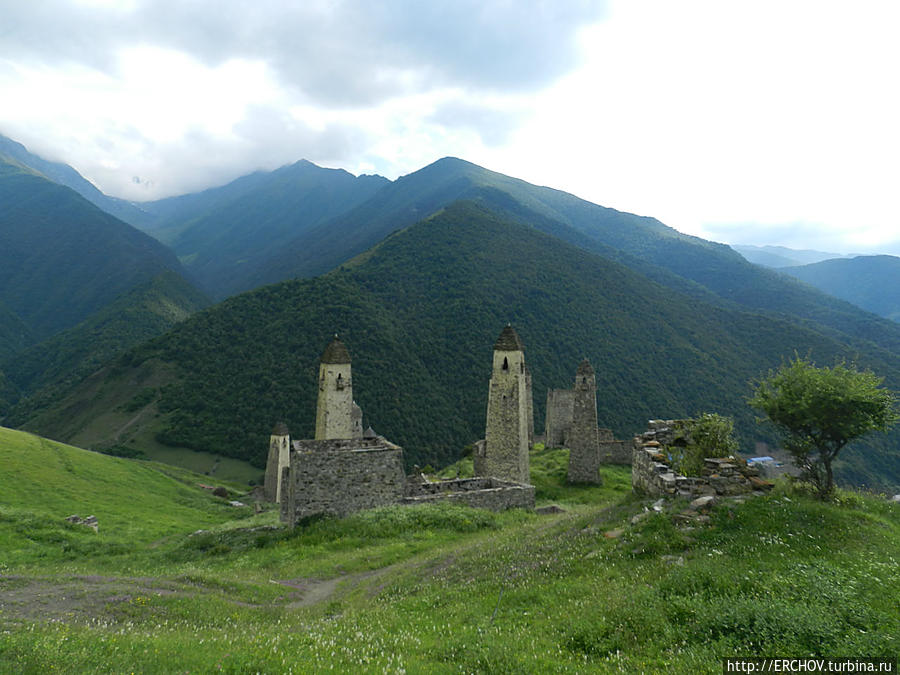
(344, 470)
(510, 421)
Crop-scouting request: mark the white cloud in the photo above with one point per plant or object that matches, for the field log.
(709, 115)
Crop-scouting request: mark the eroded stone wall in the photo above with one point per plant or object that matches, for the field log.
(558, 419)
(482, 493)
(615, 452)
(652, 472)
(279, 457)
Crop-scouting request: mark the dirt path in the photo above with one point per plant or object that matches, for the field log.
(79, 598)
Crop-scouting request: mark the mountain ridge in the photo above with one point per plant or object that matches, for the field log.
(419, 314)
(869, 282)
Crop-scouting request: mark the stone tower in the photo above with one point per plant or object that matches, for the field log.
(506, 432)
(279, 457)
(582, 439)
(334, 411)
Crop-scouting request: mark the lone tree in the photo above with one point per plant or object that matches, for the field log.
(820, 410)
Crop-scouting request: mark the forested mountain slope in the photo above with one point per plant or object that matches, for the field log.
(870, 282)
(77, 286)
(708, 266)
(46, 371)
(419, 314)
(62, 258)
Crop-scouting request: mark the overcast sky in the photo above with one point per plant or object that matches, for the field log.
(741, 121)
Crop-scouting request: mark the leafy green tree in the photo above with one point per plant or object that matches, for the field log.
(820, 410)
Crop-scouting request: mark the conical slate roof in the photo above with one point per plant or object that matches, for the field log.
(508, 341)
(280, 430)
(584, 368)
(335, 352)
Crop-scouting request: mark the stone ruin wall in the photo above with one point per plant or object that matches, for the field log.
(560, 408)
(340, 477)
(652, 473)
(482, 493)
(613, 451)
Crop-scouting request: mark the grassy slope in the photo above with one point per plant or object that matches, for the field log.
(438, 589)
(136, 502)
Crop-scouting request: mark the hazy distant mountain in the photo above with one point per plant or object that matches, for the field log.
(62, 258)
(871, 282)
(66, 175)
(682, 262)
(420, 312)
(66, 264)
(223, 235)
(780, 256)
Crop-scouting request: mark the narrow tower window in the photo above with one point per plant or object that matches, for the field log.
(505, 363)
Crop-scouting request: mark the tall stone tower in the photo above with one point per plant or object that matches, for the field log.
(506, 433)
(279, 457)
(334, 411)
(583, 439)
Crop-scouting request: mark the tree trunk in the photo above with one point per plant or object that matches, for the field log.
(826, 487)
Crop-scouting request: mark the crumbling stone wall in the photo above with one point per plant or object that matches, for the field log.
(279, 452)
(558, 418)
(340, 477)
(615, 452)
(652, 472)
(483, 493)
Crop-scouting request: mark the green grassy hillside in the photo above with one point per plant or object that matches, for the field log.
(605, 585)
(136, 503)
(420, 313)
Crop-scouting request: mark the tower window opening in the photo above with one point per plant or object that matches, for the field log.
(505, 363)
(583, 380)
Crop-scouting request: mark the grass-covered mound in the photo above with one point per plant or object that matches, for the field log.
(451, 589)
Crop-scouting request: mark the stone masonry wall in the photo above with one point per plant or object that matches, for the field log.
(615, 452)
(482, 493)
(558, 419)
(652, 473)
(340, 477)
